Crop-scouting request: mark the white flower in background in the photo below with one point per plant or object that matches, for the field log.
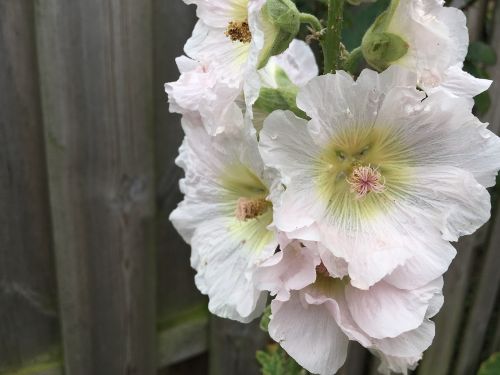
(317, 311)
(201, 90)
(381, 176)
(428, 38)
(238, 37)
(225, 217)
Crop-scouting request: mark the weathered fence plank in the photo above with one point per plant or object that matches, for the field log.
(357, 360)
(488, 286)
(233, 346)
(176, 293)
(28, 309)
(438, 359)
(482, 306)
(95, 61)
(173, 23)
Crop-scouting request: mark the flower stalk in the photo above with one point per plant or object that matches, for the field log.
(332, 38)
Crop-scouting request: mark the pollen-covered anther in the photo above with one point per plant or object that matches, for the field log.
(250, 208)
(366, 179)
(239, 31)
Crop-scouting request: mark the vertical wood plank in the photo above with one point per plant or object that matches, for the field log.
(483, 305)
(488, 287)
(357, 362)
(173, 24)
(438, 359)
(28, 310)
(95, 61)
(233, 346)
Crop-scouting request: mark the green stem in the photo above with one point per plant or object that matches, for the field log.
(311, 21)
(332, 38)
(352, 61)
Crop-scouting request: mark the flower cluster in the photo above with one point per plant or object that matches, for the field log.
(337, 195)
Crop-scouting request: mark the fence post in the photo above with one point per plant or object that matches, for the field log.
(28, 311)
(95, 62)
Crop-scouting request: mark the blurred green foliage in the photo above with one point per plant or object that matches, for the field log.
(275, 361)
(491, 366)
(479, 57)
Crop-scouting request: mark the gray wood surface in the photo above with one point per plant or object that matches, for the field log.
(173, 23)
(439, 357)
(28, 312)
(95, 62)
(233, 346)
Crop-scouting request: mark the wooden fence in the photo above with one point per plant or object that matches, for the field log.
(93, 278)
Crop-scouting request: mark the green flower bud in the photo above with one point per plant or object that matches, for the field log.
(281, 20)
(271, 99)
(382, 49)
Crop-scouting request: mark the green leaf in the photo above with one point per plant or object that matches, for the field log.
(275, 361)
(480, 52)
(491, 366)
(266, 318)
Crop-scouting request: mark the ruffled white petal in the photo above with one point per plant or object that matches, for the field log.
(218, 13)
(460, 83)
(384, 311)
(309, 334)
(199, 90)
(437, 37)
(298, 62)
(293, 268)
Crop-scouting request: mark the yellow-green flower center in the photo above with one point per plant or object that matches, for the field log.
(361, 173)
(245, 206)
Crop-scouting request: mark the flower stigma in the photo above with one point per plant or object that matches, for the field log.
(250, 208)
(365, 179)
(239, 31)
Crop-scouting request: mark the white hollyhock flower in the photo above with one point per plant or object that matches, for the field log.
(225, 217)
(381, 176)
(232, 35)
(316, 312)
(437, 39)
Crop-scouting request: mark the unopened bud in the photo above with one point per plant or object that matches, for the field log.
(283, 23)
(381, 49)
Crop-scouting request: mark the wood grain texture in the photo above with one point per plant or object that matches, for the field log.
(357, 360)
(483, 314)
(28, 308)
(233, 346)
(483, 303)
(183, 337)
(439, 357)
(173, 23)
(493, 116)
(95, 61)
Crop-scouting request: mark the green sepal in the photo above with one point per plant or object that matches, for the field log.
(381, 49)
(281, 20)
(271, 99)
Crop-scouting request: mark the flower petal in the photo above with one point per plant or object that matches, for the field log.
(316, 343)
